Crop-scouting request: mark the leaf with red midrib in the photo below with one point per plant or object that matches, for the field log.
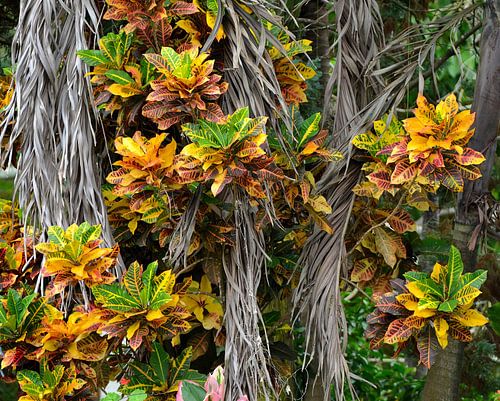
(427, 345)
(136, 340)
(469, 156)
(459, 332)
(398, 332)
(380, 178)
(389, 304)
(12, 356)
(403, 172)
(183, 8)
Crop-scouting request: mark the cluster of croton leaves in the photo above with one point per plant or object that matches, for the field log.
(404, 162)
(58, 353)
(426, 309)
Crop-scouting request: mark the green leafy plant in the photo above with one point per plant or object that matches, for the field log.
(161, 376)
(429, 308)
(50, 384)
(143, 306)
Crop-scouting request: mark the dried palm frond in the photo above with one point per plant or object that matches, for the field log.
(58, 178)
(181, 237)
(246, 353)
(249, 69)
(317, 297)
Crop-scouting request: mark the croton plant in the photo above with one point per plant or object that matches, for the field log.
(76, 314)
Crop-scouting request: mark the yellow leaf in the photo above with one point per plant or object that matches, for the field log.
(132, 329)
(439, 273)
(319, 204)
(441, 328)
(167, 154)
(415, 290)
(154, 315)
(424, 313)
(469, 317)
(124, 91)
(408, 301)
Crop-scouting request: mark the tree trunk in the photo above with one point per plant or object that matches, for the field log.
(443, 378)
(316, 13)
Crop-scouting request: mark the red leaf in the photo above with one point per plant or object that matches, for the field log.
(380, 178)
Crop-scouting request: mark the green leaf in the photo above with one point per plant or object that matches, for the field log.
(475, 279)
(429, 287)
(192, 392)
(14, 305)
(56, 235)
(173, 59)
(455, 269)
(137, 395)
(112, 397)
(415, 276)
(86, 232)
(113, 297)
(428, 303)
(180, 366)
(308, 129)
(132, 280)
(92, 58)
(448, 306)
(143, 374)
(159, 361)
(148, 282)
(120, 77)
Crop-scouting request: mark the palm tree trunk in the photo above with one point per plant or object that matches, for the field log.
(443, 378)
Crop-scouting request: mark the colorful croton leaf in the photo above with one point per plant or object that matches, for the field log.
(143, 306)
(203, 304)
(144, 163)
(228, 151)
(19, 319)
(6, 90)
(121, 82)
(139, 13)
(292, 75)
(429, 309)
(71, 338)
(186, 89)
(55, 383)
(302, 152)
(75, 255)
(161, 376)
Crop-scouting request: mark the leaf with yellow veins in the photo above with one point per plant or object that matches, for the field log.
(319, 204)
